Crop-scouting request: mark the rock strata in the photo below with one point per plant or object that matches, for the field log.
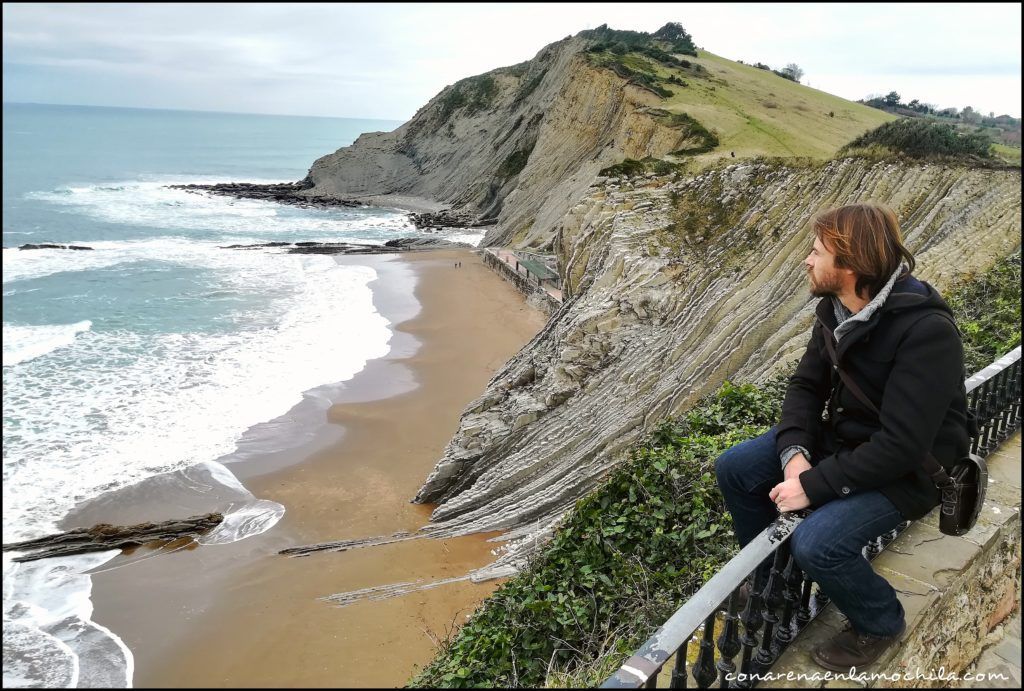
(104, 536)
(670, 288)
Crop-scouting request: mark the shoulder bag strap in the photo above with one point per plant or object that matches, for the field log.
(939, 475)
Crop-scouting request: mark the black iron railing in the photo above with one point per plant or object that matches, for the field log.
(783, 600)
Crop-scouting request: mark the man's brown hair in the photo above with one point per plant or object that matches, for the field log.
(866, 238)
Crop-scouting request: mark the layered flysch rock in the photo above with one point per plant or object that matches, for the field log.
(512, 148)
(673, 285)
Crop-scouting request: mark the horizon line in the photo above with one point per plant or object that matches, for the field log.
(195, 110)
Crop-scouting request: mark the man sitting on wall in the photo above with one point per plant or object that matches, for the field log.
(860, 471)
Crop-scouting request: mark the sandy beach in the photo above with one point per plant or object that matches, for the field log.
(240, 615)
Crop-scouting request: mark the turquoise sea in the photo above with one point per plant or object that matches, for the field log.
(155, 351)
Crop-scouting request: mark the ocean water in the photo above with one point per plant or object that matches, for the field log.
(152, 354)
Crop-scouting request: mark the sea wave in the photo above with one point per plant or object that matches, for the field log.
(23, 343)
(151, 203)
(114, 407)
(50, 640)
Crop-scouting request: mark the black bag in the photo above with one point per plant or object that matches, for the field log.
(962, 488)
(963, 495)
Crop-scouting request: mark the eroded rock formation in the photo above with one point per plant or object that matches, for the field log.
(672, 286)
(104, 536)
(513, 148)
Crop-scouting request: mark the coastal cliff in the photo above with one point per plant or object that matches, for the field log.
(514, 148)
(672, 285)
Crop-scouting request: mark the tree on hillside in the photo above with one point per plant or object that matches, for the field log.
(970, 115)
(793, 71)
(892, 99)
(673, 31)
(682, 42)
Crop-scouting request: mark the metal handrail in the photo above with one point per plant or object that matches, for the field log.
(781, 603)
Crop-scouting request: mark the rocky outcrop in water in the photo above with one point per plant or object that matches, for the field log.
(445, 218)
(672, 286)
(53, 247)
(281, 193)
(389, 247)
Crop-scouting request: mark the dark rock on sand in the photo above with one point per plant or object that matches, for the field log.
(104, 536)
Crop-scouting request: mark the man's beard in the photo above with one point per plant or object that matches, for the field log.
(829, 285)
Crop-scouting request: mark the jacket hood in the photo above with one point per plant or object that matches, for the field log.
(907, 294)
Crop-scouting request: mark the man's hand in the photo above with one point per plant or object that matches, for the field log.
(789, 495)
(796, 465)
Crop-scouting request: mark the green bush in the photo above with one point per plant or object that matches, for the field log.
(923, 139)
(476, 93)
(627, 168)
(631, 167)
(987, 309)
(514, 164)
(621, 42)
(707, 140)
(529, 87)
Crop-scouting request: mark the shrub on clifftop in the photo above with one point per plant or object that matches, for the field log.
(924, 140)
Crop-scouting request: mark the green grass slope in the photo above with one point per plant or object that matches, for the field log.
(752, 111)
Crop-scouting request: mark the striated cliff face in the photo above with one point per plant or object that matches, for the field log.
(671, 287)
(513, 148)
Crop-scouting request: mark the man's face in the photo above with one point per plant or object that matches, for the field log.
(825, 278)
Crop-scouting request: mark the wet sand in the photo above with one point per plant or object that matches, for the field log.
(240, 615)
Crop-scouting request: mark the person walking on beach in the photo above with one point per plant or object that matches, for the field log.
(860, 470)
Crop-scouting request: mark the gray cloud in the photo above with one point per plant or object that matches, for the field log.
(370, 60)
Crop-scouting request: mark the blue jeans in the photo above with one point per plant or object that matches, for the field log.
(827, 544)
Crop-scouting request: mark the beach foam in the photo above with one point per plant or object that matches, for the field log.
(23, 343)
(116, 406)
(151, 203)
(50, 640)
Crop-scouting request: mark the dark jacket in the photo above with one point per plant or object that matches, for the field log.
(908, 359)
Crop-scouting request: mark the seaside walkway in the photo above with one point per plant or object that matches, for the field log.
(544, 277)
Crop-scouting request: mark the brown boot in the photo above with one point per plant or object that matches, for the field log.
(851, 649)
(741, 598)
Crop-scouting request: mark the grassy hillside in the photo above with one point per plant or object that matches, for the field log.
(1007, 154)
(754, 112)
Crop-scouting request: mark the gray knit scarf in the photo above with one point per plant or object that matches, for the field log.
(846, 319)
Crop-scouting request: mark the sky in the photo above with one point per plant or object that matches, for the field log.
(387, 60)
